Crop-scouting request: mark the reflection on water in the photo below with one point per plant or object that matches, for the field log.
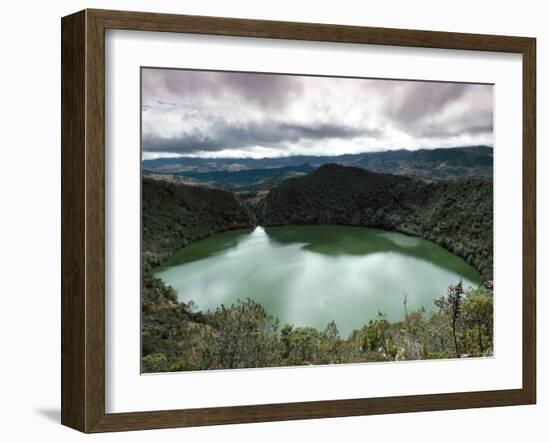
(310, 275)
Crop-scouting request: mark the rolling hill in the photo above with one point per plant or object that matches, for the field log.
(251, 179)
(457, 215)
(174, 215)
(432, 164)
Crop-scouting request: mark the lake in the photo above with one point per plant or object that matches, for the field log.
(310, 275)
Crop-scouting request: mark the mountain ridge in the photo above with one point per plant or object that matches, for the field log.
(435, 164)
(251, 179)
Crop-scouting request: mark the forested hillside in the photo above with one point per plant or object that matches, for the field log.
(436, 164)
(457, 215)
(175, 215)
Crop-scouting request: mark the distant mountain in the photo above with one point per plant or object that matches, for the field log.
(251, 178)
(457, 215)
(436, 164)
(433, 164)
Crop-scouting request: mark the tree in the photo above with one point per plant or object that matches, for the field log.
(451, 306)
(286, 332)
(407, 320)
(377, 341)
(331, 344)
(245, 336)
(477, 311)
(301, 345)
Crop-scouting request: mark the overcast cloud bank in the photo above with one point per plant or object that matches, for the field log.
(226, 114)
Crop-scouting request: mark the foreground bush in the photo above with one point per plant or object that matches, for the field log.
(244, 335)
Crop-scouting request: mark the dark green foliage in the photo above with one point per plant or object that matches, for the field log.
(457, 215)
(168, 328)
(301, 345)
(477, 316)
(244, 335)
(436, 164)
(331, 345)
(175, 215)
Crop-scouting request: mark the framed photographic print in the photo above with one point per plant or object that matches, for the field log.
(270, 220)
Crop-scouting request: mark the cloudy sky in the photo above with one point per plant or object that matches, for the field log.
(227, 114)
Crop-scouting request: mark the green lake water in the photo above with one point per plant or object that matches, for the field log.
(310, 275)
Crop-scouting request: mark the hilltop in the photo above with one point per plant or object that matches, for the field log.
(174, 215)
(457, 215)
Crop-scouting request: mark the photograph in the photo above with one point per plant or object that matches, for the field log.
(294, 220)
(261, 222)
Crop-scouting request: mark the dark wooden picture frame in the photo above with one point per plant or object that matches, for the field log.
(83, 220)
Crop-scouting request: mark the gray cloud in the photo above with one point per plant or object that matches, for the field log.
(265, 90)
(164, 103)
(270, 133)
(204, 112)
(416, 100)
(472, 125)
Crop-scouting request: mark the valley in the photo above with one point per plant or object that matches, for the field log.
(455, 214)
(264, 173)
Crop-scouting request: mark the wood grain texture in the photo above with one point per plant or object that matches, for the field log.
(529, 221)
(83, 220)
(73, 254)
(144, 21)
(95, 222)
